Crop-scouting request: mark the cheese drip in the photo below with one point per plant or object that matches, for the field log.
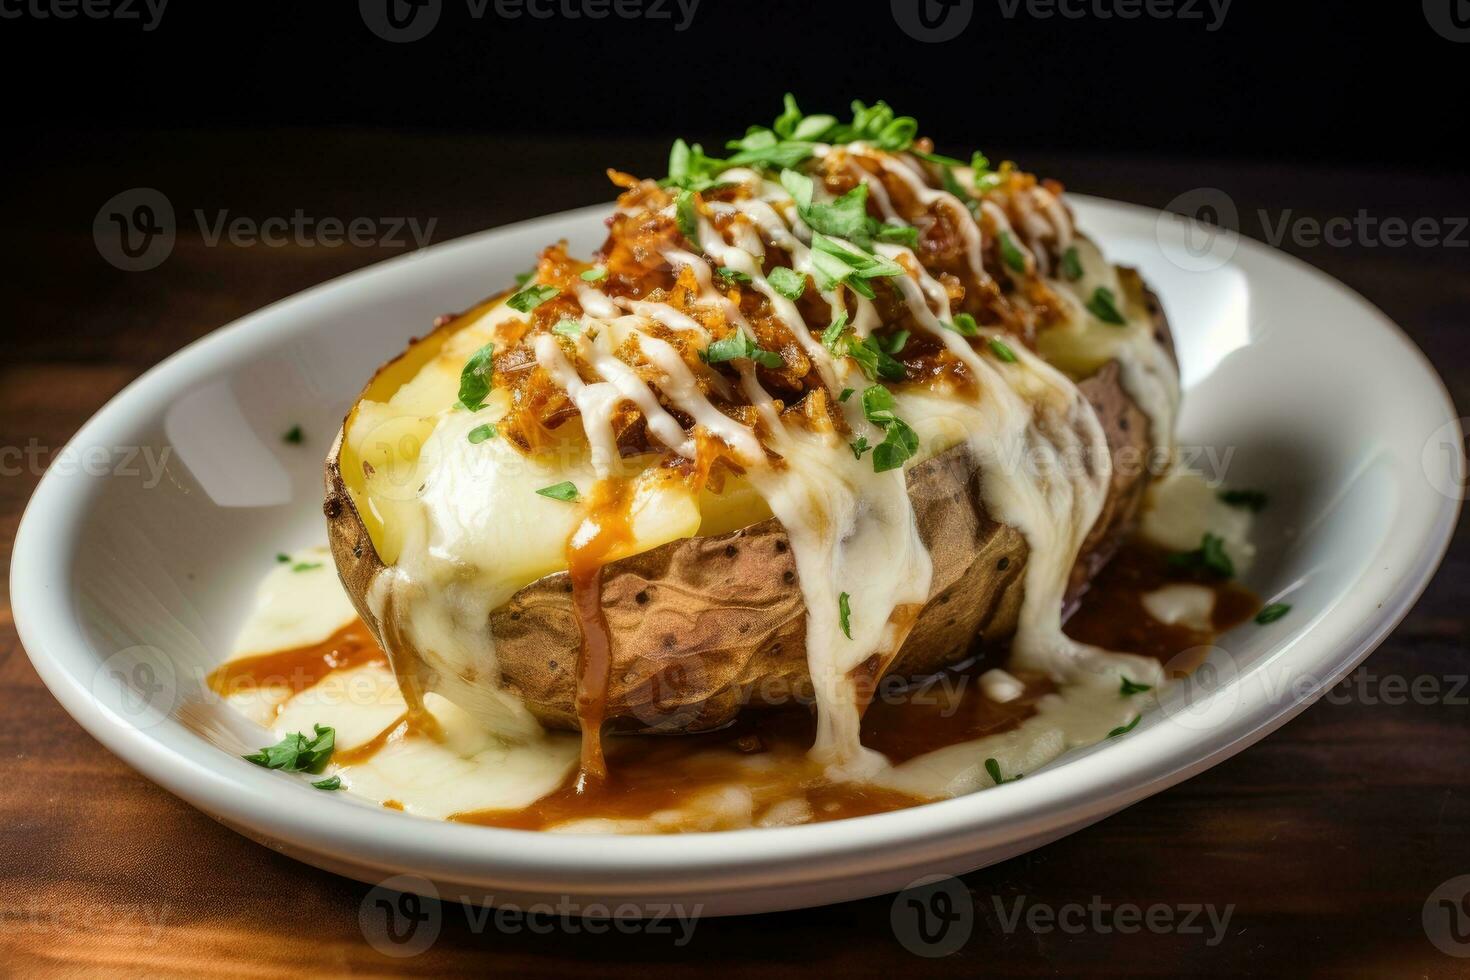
(1040, 448)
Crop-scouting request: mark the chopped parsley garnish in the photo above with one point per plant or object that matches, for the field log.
(983, 177)
(1104, 306)
(524, 277)
(1010, 252)
(947, 178)
(834, 332)
(1272, 612)
(787, 282)
(938, 158)
(1001, 350)
(1129, 688)
(873, 360)
(896, 234)
(859, 445)
(900, 442)
(1210, 557)
(565, 491)
(963, 324)
(739, 344)
(844, 614)
(836, 264)
(846, 394)
(1125, 729)
(992, 768)
(294, 436)
(531, 297)
(330, 783)
(895, 343)
(567, 327)
(687, 214)
(475, 379)
(734, 275)
(1072, 264)
(691, 169)
(298, 752)
(306, 566)
(282, 557)
(1253, 500)
(480, 433)
(594, 274)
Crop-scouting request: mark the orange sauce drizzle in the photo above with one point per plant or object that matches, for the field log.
(636, 776)
(604, 527)
(351, 646)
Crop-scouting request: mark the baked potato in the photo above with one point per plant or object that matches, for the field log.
(705, 605)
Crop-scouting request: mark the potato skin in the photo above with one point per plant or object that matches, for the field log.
(706, 626)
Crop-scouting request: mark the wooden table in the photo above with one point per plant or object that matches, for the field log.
(1324, 841)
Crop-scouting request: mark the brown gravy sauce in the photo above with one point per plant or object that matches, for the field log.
(766, 751)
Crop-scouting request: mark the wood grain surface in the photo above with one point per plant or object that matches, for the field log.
(1323, 842)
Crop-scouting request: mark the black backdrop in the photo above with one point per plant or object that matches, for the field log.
(1349, 82)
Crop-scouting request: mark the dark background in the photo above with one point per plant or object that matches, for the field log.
(1326, 837)
(1345, 82)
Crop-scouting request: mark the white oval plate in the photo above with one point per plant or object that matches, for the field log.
(127, 589)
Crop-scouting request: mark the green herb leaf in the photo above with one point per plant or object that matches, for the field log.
(1209, 557)
(846, 217)
(739, 344)
(894, 234)
(840, 264)
(1272, 613)
(947, 179)
(594, 274)
(531, 297)
(298, 752)
(895, 343)
(858, 445)
(734, 275)
(1104, 306)
(480, 433)
(992, 768)
(787, 282)
(524, 277)
(846, 394)
(982, 176)
(873, 360)
(1125, 729)
(691, 169)
(844, 614)
(567, 327)
(294, 436)
(687, 214)
(306, 566)
(900, 444)
(938, 158)
(1253, 500)
(1010, 252)
(1001, 350)
(330, 783)
(1072, 264)
(282, 557)
(964, 325)
(475, 379)
(565, 491)
(1129, 688)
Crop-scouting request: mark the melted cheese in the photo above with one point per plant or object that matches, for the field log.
(463, 528)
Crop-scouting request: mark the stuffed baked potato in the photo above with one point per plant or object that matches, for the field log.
(833, 408)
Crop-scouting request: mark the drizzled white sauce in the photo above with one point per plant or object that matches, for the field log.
(1036, 440)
